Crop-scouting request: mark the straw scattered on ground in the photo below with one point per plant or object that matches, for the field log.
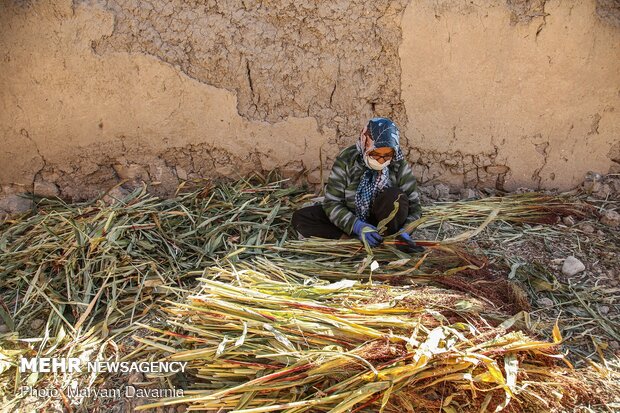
(215, 276)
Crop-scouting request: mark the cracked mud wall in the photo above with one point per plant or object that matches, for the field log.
(75, 123)
(521, 93)
(525, 95)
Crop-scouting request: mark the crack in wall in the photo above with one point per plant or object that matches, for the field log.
(460, 169)
(543, 149)
(36, 175)
(337, 62)
(595, 122)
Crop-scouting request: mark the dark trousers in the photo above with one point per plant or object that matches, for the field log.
(313, 222)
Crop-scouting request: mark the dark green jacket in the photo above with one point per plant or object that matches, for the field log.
(339, 202)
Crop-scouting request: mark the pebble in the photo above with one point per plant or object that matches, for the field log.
(45, 189)
(15, 204)
(442, 192)
(587, 228)
(468, 193)
(114, 195)
(36, 324)
(604, 309)
(3, 328)
(181, 173)
(572, 266)
(603, 191)
(545, 302)
(611, 219)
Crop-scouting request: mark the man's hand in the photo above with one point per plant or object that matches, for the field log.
(365, 230)
(410, 246)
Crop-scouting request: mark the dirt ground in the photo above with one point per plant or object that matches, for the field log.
(586, 303)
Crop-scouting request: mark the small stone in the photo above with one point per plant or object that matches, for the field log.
(497, 169)
(572, 266)
(36, 324)
(614, 345)
(604, 309)
(181, 173)
(3, 328)
(46, 189)
(468, 193)
(603, 191)
(545, 302)
(593, 177)
(568, 220)
(114, 195)
(587, 228)
(441, 192)
(610, 218)
(592, 187)
(13, 204)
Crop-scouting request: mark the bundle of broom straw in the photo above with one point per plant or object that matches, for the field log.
(257, 344)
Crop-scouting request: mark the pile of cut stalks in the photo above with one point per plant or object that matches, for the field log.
(217, 278)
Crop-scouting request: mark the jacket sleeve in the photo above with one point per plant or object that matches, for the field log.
(334, 203)
(407, 183)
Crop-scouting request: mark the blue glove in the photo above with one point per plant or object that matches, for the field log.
(411, 246)
(372, 237)
(406, 237)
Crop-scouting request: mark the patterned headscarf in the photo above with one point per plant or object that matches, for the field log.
(384, 134)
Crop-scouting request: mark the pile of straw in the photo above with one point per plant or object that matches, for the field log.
(254, 311)
(255, 344)
(68, 266)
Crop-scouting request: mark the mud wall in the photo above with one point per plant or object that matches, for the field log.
(521, 93)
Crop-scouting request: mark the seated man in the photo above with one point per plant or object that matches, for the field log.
(366, 180)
